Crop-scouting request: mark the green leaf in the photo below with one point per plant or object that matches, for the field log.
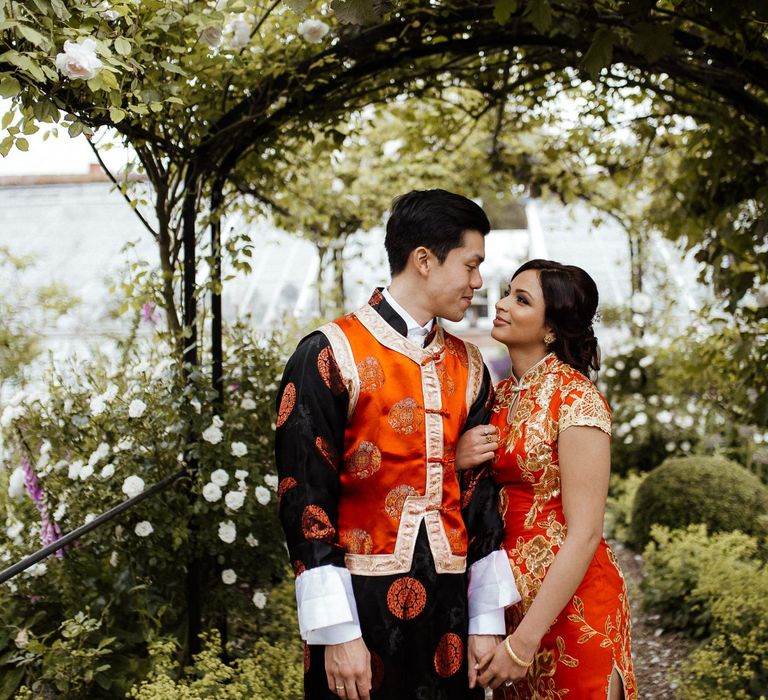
(503, 10)
(108, 79)
(116, 115)
(122, 46)
(33, 36)
(75, 129)
(298, 6)
(7, 118)
(9, 87)
(652, 40)
(22, 144)
(600, 53)
(354, 11)
(24, 62)
(172, 67)
(539, 13)
(5, 146)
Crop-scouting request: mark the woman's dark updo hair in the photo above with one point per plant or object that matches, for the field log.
(570, 301)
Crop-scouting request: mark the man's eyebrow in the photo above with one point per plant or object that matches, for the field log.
(479, 257)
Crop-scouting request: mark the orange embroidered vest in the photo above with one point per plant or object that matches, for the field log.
(407, 406)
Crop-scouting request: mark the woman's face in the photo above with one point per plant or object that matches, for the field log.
(519, 321)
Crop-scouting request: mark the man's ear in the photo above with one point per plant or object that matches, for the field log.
(422, 259)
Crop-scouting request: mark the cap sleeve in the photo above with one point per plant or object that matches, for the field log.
(584, 405)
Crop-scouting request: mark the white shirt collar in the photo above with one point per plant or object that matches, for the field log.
(415, 331)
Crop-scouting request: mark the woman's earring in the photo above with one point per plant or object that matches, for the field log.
(549, 339)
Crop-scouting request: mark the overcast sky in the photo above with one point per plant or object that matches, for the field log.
(57, 155)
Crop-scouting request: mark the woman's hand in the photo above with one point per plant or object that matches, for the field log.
(477, 446)
(498, 667)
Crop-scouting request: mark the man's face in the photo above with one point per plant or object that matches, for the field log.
(450, 286)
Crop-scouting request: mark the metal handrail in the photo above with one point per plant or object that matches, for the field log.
(77, 533)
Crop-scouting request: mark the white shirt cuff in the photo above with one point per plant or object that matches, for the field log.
(326, 604)
(491, 589)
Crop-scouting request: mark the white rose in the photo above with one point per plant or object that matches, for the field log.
(239, 449)
(38, 569)
(133, 486)
(217, 421)
(58, 514)
(239, 33)
(85, 472)
(234, 500)
(89, 517)
(211, 492)
(241, 474)
(97, 405)
(107, 13)
(272, 481)
(260, 599)
(228, 576)
(16, 483)
(251, 540)
(211, 36)
(220, 477)
(227, 531)
(213, 435)
(263, 495)
(74, 469)
(13, 531)
(98, 454)
(113, 558)
(110, 393)
(195, 403)
(144, 528)
(107, 471)
(640, 303)
(124, 444)
(79, 61)
(136, 408)
(312, 30)
(248, 404)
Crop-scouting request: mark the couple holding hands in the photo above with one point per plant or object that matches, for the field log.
(447, 537)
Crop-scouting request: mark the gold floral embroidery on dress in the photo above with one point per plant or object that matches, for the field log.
(588, 408)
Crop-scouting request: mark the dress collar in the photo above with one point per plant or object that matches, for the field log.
(532, 373)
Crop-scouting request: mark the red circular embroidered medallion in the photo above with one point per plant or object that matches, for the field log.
(371, 374)
(285, 485)
(316, 525)
(327, 452)
(395, 500)
(365, 460)
(406, 598)
(449, 655)
(298, 567)
(287, 403)
(356, 541)
(406, 416)
(329, 371)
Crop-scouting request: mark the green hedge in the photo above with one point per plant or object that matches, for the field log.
(710, 490)
(715, 587)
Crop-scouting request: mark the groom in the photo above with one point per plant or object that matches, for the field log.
(380, 534)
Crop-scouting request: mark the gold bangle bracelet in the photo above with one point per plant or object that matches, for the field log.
(515, 657)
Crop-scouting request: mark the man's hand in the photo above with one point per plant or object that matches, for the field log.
(477, 446)
(348, 669)
(478, 646)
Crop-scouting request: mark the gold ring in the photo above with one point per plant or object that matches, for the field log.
(340, 687)
(489, 437)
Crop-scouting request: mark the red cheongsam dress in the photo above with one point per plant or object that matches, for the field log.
(591, 636)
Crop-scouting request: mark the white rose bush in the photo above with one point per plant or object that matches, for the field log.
(100, 434)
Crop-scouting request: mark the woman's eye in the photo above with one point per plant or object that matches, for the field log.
(522, 300)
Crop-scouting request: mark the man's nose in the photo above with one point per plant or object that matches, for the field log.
(477, 281)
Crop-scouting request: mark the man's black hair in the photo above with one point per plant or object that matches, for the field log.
(435, 219)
